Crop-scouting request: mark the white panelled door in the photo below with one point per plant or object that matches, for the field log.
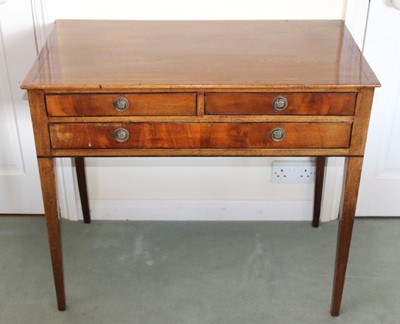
(380, 182)
(19, 180)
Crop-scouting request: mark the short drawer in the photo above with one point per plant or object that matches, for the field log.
(280, 103)
(134, 104)
(199, 135)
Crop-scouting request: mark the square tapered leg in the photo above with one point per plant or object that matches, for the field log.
(48, 181)
(346, 221)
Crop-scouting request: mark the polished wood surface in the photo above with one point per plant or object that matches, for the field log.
(200, 135)
(116, 55)
(262, 103)
(144, 104)
(201, 88)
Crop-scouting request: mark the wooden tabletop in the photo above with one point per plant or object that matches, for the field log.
(111, 55)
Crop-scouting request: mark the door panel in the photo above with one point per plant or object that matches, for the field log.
(380, 182)
(19, 180)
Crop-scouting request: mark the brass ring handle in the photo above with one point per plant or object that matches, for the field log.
(278, 134)
(121, 104)
(280, 103)
(120, 135)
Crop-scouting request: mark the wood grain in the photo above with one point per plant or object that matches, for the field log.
(39, 122)
(298, 103)
(200, 152)
(346, 221)
(361, 121)
(48, 182)
(140, 104)
(199, 54)
(205, 119)
(193, 135)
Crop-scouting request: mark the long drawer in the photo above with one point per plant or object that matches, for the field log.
(280, 103)
(199, 135)
(133, 104)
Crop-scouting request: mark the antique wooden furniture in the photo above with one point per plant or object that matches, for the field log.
(215, 88)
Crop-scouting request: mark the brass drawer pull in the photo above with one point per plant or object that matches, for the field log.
(280, 103)
(121, 135)
(121, 104)
(278, 134)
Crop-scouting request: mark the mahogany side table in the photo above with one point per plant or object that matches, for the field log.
(201, 88)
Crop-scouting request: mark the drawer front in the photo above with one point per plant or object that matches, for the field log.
(280, 103)
(135, 104)
(200, 135)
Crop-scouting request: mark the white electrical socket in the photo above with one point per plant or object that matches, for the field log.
(293, 172)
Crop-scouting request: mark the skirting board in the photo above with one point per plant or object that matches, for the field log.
(200, 210)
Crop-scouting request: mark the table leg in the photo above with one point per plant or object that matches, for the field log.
(319, 182)
(346, 220)
(83, 194)
(48, 181)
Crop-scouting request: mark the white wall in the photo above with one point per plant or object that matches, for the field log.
(146, 184)
(190, 9)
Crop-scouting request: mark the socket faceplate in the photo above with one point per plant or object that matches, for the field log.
(293, 172)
